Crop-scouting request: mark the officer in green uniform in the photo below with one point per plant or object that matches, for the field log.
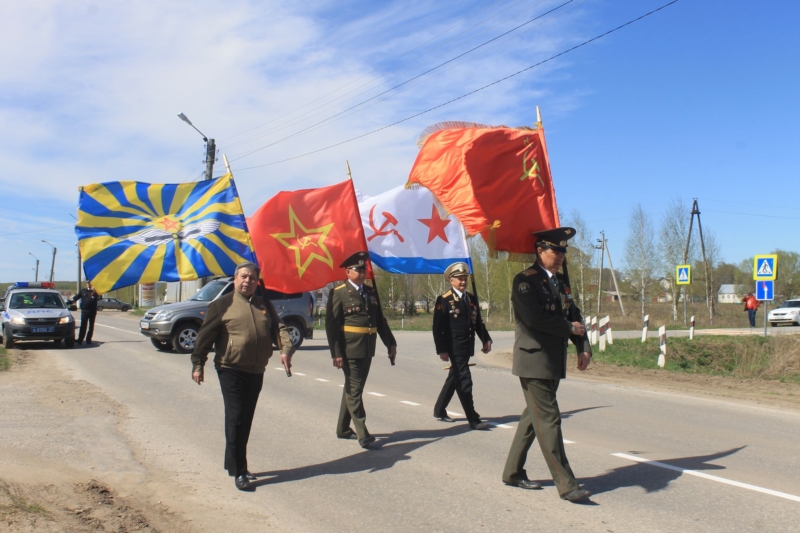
(353, 319)
(546, 320)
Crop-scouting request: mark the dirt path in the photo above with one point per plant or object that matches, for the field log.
(54, 428)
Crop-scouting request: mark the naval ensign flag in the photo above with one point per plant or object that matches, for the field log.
(409, 232)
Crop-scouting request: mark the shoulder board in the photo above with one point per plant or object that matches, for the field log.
(530, 272)
(448, 293)
(342, 286)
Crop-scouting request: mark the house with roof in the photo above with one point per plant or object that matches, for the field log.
(730, 293)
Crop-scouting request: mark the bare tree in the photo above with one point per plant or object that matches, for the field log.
(582, 254)
(640, 252)
(485, 267)
(713, 258)
(432, 285)
(671, 245)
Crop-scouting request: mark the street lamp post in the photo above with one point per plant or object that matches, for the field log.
(37, 266)
(211, 155)
(53, 264)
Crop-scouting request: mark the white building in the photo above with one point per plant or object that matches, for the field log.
(730, 294)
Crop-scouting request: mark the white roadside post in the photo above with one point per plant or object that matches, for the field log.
(609, 336)
(662, 341)
(603, 322)
(691, 328)
(594, 330)
(645, 323)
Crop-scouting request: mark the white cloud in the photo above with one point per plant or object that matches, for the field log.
(91, 91)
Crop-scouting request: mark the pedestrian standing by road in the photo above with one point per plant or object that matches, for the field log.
(353, 317)
(241, 326)
(546, 320)
(751, 304)
(88, 297)
(456, 321)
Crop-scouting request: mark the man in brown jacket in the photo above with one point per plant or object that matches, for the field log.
(241, 326)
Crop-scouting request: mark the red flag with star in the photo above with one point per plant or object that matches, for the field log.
(301, 237)
(495, 180)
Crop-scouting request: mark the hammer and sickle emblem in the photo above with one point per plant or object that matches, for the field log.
(305, 241)
(533, 172)
(382, 231)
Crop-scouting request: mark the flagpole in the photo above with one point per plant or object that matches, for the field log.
(227, 165)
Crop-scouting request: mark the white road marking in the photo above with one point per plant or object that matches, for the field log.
(278, 369)
(504, 426)
(708, 476)
(569, 441)
(377, 394)
(298, 374)
(408, 403)
(320, 379)
(453, 413)
(118, 329)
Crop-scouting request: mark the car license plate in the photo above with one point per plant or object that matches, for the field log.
(43, 330)
(144, 325)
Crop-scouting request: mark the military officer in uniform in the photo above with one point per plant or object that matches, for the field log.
(456, 320)
(546, 320)
(353, 320)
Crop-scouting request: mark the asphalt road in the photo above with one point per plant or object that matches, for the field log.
(655, 461)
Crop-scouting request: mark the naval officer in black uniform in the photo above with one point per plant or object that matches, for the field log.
(547, 319)
(456, 321)
(353, 321)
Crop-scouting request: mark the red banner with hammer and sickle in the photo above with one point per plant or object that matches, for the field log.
(496, 181)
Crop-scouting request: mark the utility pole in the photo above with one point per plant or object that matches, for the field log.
(602, 249)
(37, 266)
(211, 156)
(53, 264)
(709, 289)
(613, 276)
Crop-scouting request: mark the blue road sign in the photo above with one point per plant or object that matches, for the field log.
(765, 267)
(765, 290)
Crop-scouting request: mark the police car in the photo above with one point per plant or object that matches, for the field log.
(35, 312)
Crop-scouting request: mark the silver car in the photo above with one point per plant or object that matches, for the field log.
(175, 326)
(112, 303)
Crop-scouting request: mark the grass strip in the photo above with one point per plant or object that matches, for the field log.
(742, 357)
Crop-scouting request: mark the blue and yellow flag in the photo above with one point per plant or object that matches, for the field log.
(131, 232)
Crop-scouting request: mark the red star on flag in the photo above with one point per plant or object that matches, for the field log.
(435, 225)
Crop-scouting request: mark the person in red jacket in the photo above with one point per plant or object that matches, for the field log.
(751, 306)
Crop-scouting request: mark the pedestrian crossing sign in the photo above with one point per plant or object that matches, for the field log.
(765, 267)
(683, 274)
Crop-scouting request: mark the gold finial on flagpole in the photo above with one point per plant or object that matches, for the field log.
(538, 118)
(347, 164)
(227, 165)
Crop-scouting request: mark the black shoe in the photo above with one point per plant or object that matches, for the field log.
(444, 418)
(479, 425)
(366, 441)
(78, 342)
(348, 436)
(577, 495)
(250, 476)
(524, 484)
(242, 483)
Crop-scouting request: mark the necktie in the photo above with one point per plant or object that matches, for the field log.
(363, 292)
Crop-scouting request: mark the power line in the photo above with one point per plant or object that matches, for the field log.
(750, 214)
(584, 43)
(749, 204)
(405, 82)
(37, 230)
(386, 62)
(332, 103)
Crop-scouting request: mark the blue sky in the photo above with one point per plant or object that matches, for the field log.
(698, 100)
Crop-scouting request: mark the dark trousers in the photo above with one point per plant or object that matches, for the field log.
(87, 325)
(751, 314)
(240, 392)
(352, 407)
(459, 380)
(541, 418)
